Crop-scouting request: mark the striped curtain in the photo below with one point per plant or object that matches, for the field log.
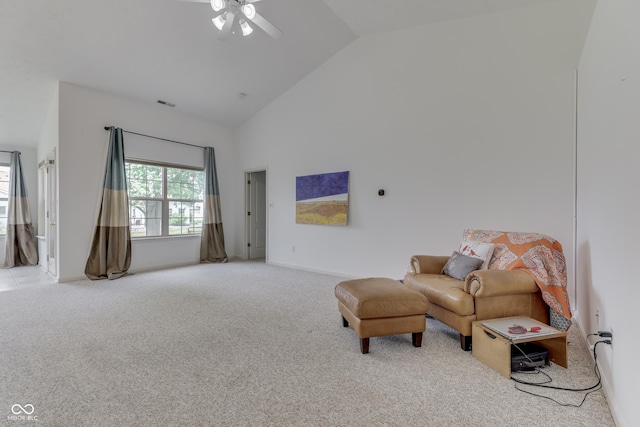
(110, 254)
(20, 242)
(212, 243)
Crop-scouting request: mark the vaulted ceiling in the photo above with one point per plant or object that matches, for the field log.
(167, 50)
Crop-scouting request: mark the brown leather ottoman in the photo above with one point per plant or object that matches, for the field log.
(377, 306)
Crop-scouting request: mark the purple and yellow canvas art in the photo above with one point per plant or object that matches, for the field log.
(322, 198)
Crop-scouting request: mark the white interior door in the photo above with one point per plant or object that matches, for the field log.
(257, 214)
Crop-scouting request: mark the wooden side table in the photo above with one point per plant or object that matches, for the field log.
(494, 350)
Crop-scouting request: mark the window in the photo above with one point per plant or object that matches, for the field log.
(5, 172)
(164, 200)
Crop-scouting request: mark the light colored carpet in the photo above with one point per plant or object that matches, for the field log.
(249, 344)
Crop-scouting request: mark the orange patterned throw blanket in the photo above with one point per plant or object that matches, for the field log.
(539, 255)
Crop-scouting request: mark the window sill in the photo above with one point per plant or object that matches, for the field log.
(156, 238)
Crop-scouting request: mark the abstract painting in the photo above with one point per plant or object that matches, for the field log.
(322, 198)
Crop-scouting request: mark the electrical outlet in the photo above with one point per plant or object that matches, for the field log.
(293, 248)
(597, 318)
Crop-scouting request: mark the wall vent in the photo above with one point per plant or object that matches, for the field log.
(168, 104)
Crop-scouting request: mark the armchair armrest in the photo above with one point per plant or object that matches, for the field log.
(428, 264)
(490, 283)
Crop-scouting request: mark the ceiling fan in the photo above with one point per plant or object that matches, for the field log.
(233, 15)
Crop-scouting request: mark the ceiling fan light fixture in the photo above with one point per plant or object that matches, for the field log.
(217, 5)
(249, 11)
(218, 21)
(246, 28)
(231, 15)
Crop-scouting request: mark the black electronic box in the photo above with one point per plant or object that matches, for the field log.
(528, 357)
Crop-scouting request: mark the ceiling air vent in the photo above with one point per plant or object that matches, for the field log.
(168, 104)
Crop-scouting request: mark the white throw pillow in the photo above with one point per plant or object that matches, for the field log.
(483, 251)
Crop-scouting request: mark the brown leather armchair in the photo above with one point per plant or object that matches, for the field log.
(483, 295)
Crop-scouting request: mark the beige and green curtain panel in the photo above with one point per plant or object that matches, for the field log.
(110, 254)
(212, 243)
(20, 244)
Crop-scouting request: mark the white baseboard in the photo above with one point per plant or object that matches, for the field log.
(142, 270)
(606, 387)
(313, 270)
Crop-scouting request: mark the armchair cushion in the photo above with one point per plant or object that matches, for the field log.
(442, 290)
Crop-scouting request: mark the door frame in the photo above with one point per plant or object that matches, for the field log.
(49, 171)
(247, 174)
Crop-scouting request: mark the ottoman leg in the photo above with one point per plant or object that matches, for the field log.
(344, 322)
(416, 338)
(364, 345)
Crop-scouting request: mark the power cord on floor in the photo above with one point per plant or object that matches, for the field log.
(545, 383)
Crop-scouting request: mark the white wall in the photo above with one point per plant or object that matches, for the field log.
(50, 130)
(47, 144)
(81, 154)
(468, 123)
(608, 195)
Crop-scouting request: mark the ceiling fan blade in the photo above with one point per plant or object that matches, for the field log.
(220, 12)
(193, 1)
(266, 26)
(252, 1)
(226, 28)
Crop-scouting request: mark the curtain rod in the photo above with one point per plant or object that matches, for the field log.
(155, 137)
(7, 151)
